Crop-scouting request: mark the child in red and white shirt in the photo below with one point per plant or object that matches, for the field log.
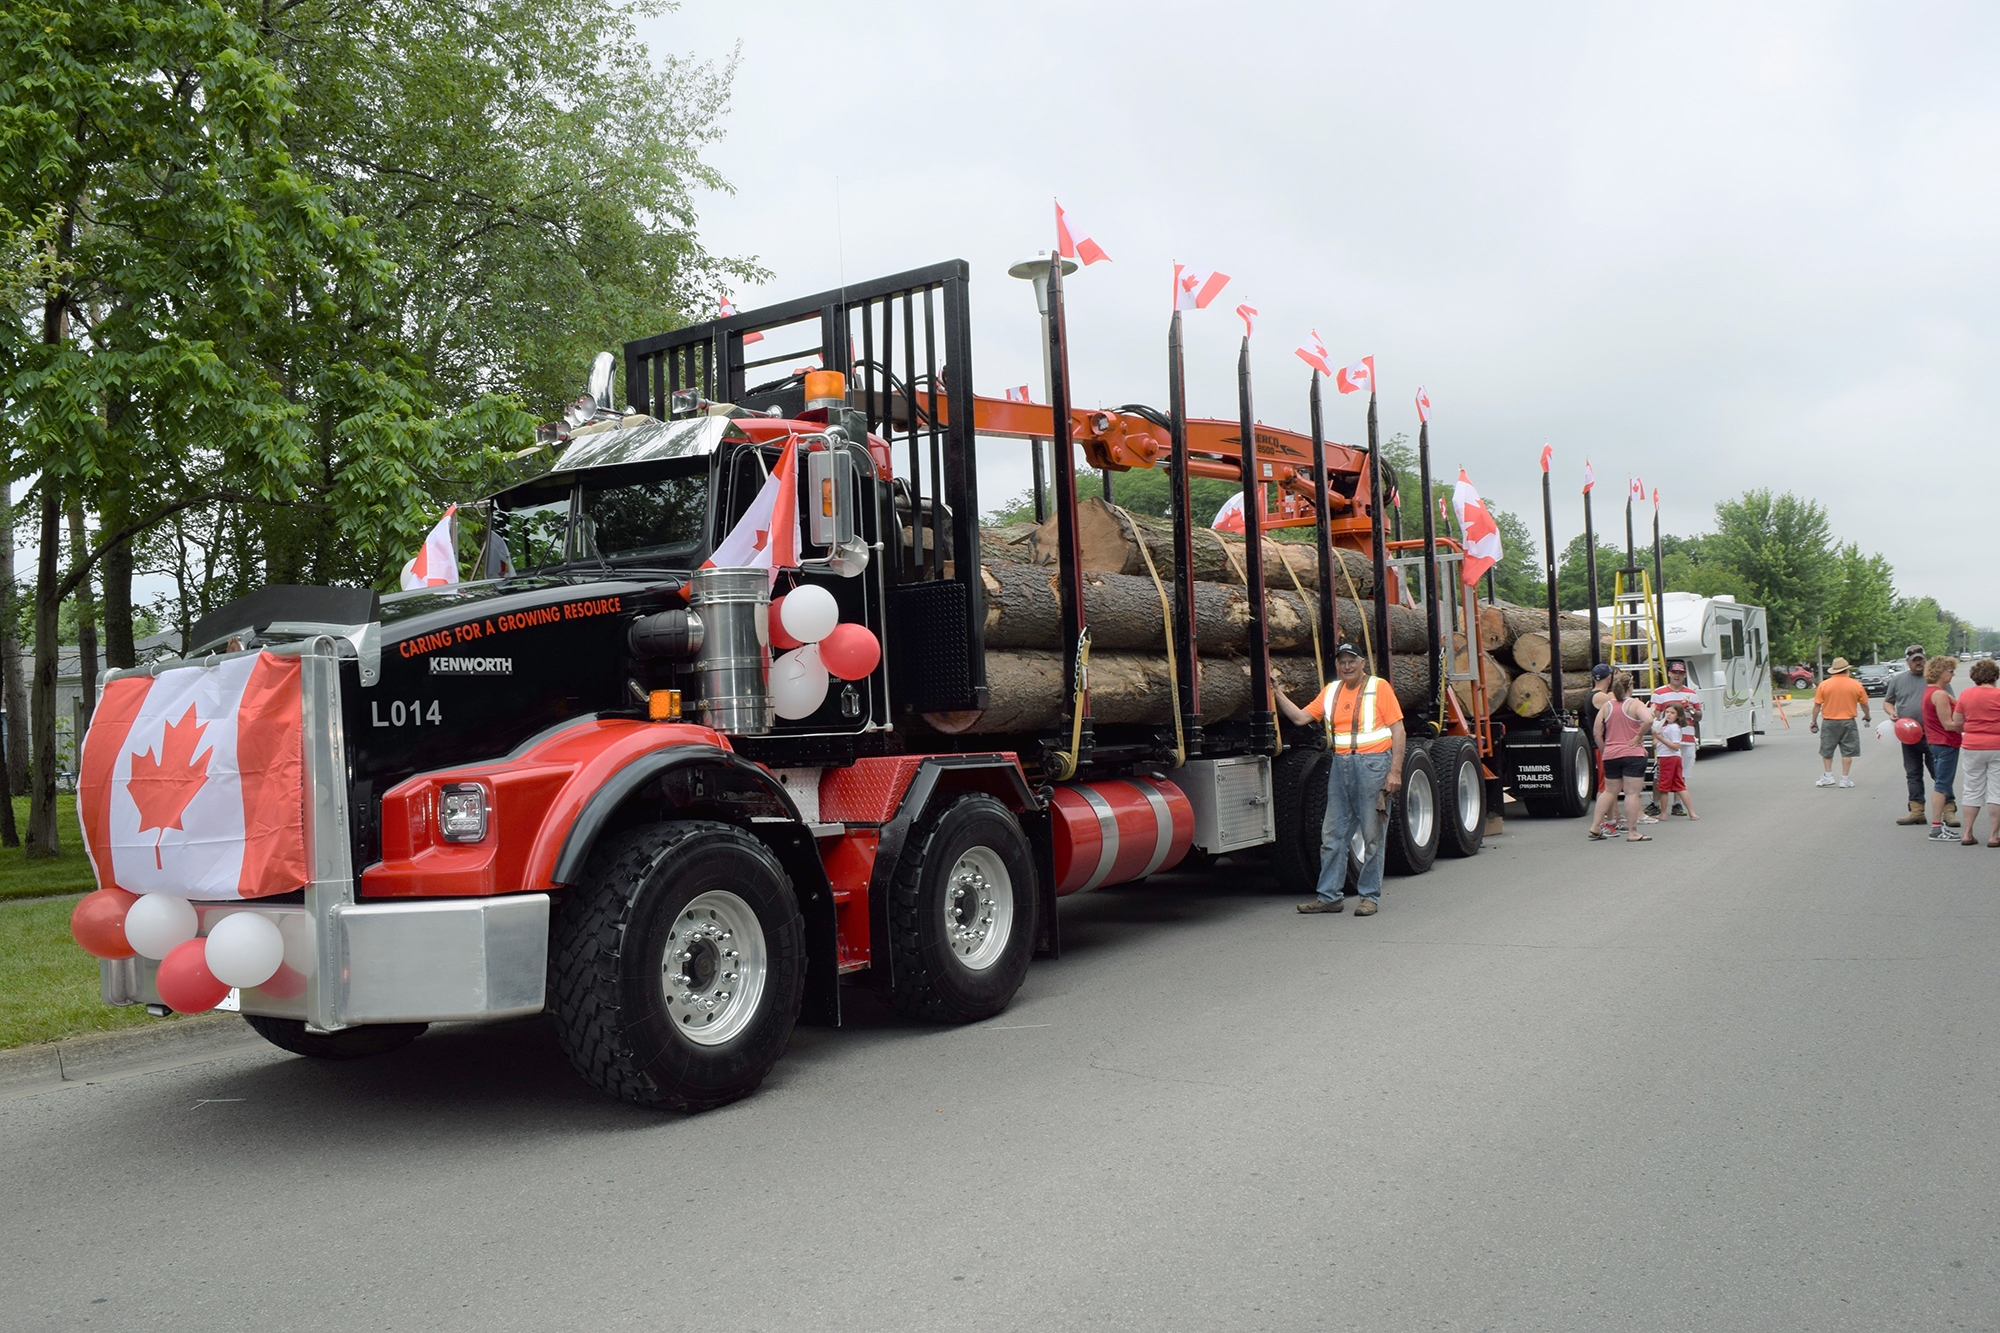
(1668, 779)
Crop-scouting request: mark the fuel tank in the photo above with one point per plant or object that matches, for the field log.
(1118, 830)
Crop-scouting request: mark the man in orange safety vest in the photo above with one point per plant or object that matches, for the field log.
(1364, 771)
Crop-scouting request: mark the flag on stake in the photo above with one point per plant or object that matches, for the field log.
(435, 565)
(1547, 450)
(1229, 518)
(729, 311)
(1073, 246)
(1247, 313)
(1589, 477)
(767, 536)
(1656, 499)
(1638, 491)
(1019, 395)
(1482, 534)
(1194, 288)
(1357, 378)
(1423, 405)
(1314, 354)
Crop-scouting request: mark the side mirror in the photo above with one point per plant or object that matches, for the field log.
(830, 498)
(600, 381)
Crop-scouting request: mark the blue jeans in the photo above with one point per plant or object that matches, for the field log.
(1353, 781)
(1944, 767)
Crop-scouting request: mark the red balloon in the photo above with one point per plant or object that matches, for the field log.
(781, 641)
(287, 983)
(98, 923)
(185, 983)
(1909, 731)
(851, 652)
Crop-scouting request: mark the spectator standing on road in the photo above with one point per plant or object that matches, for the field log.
(1621, 725)
(1688, 700)
(1976, 714)
(1669, 776)
(1363, 772)
(1836, 701)
(1905, 698)
(1939, 706)
(1600, 695)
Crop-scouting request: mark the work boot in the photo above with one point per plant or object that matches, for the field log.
(1916, 815)
(1315, 906)
(1366, 907)
(1951, 814)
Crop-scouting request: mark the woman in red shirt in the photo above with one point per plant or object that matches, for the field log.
(1940, 740)
(1975, 717)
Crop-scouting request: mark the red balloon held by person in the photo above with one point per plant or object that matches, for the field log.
(98, 923)
(850, 652)
(781, 641)
(1909, 731)
(185, 984)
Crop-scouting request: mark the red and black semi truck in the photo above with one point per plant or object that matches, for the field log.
(562, 785)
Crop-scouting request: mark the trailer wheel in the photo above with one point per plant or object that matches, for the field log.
(289, 1034)
(962, 913)
(1576, 781)
(677, 965)
(1748, 740)
(1298, 794)
(1462, 789)
(1414, 817)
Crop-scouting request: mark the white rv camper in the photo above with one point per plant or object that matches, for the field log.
(1726, 645)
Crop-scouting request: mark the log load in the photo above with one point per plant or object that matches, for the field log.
(1528, 696)
(1498, 677)
(1106, 546)
(1010, 541)
(1494, 631)
(1025, 688)
(1531, 650)
(1123, 612)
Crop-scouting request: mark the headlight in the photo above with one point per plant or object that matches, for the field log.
(462, 812)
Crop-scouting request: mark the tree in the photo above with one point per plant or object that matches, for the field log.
(1860, 625)
(1780, 550)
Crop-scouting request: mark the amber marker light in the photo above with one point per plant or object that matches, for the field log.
(825, 388)
(664, 705)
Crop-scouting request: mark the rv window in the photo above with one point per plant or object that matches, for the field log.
(1757, 644)
(1736, 638)
(1728, 645)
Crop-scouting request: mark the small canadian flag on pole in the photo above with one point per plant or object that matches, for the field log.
(1229, 518)
(1548, 452)
(1019, 394)
(1656, 499)
(1248, 314)
(1482, 534)
(1194, 288)
(729, 312)
(1313, 352)
(1589, 477)
(1073, 244)
(767, 536)
(435, 565)
(1357, 378)
(1423, 405)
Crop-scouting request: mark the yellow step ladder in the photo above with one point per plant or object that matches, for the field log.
(1636, 646)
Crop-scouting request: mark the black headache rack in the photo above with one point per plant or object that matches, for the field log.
(902, 339)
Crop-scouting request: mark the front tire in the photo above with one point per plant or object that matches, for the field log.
(677, 966)
(289, 1034)
(1462, 793)
(1412, 837)
(1298, 793)
(962, 913)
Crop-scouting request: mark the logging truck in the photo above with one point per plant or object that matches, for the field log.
(563, 784)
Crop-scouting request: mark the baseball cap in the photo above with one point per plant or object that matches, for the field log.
(1347, 650)
(1914, 650)
(1600, 672)
(1677, 666)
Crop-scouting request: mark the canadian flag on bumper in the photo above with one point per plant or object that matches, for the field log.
(1482, 534)
(193, 781)
(763, 538)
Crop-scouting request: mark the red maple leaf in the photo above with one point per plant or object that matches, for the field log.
(162, 787)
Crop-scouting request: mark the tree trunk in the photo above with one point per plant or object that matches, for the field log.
(1009, 541)
(117, 566)
(1494, 631)
(13, 679)
(1531, 651)
(1528, 696)
(1106, 547)
(1498, 676)
(43, 840)
(86, 619)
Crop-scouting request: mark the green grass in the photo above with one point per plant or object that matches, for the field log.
(48, 986)
(68, 873)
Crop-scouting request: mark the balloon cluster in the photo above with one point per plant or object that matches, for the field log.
(806, 621)
(242, 950)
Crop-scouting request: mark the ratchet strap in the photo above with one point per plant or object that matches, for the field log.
(1065, 764)
(1166, 631)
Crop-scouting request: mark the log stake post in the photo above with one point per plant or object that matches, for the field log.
(1590, 575)
(1659, 597)
(1377, 539)
(1434, 594)
(1329, 617)
(1069, 568)
(1263, 723)
(1177, 475)
(1555, 611)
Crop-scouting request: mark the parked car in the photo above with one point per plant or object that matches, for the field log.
(1874, 677)
(1793, 677)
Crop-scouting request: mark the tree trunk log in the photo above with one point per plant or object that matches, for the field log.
(1498, 676)
(1012, 542)
(1106, 547)
(1528, 696)
(1494, 631)
(1531, 651)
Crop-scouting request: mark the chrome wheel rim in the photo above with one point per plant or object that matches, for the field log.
(1583, 771)
(715, 968)
(978, 908)
(1419, 808)
(1468, 796)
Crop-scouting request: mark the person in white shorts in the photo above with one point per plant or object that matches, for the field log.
(1681, 693)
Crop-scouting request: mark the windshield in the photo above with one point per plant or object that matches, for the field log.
(662, 517)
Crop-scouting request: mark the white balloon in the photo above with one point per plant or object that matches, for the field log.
(159, 921)
(798, 681)
(809, 613)
(244, 949)
(301, 949)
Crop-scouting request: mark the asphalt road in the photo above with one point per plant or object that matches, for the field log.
(1743, 1077)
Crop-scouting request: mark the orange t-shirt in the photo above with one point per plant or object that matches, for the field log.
(1346, 703)
(1839, 697)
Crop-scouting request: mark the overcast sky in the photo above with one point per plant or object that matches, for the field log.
(1721, 246)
